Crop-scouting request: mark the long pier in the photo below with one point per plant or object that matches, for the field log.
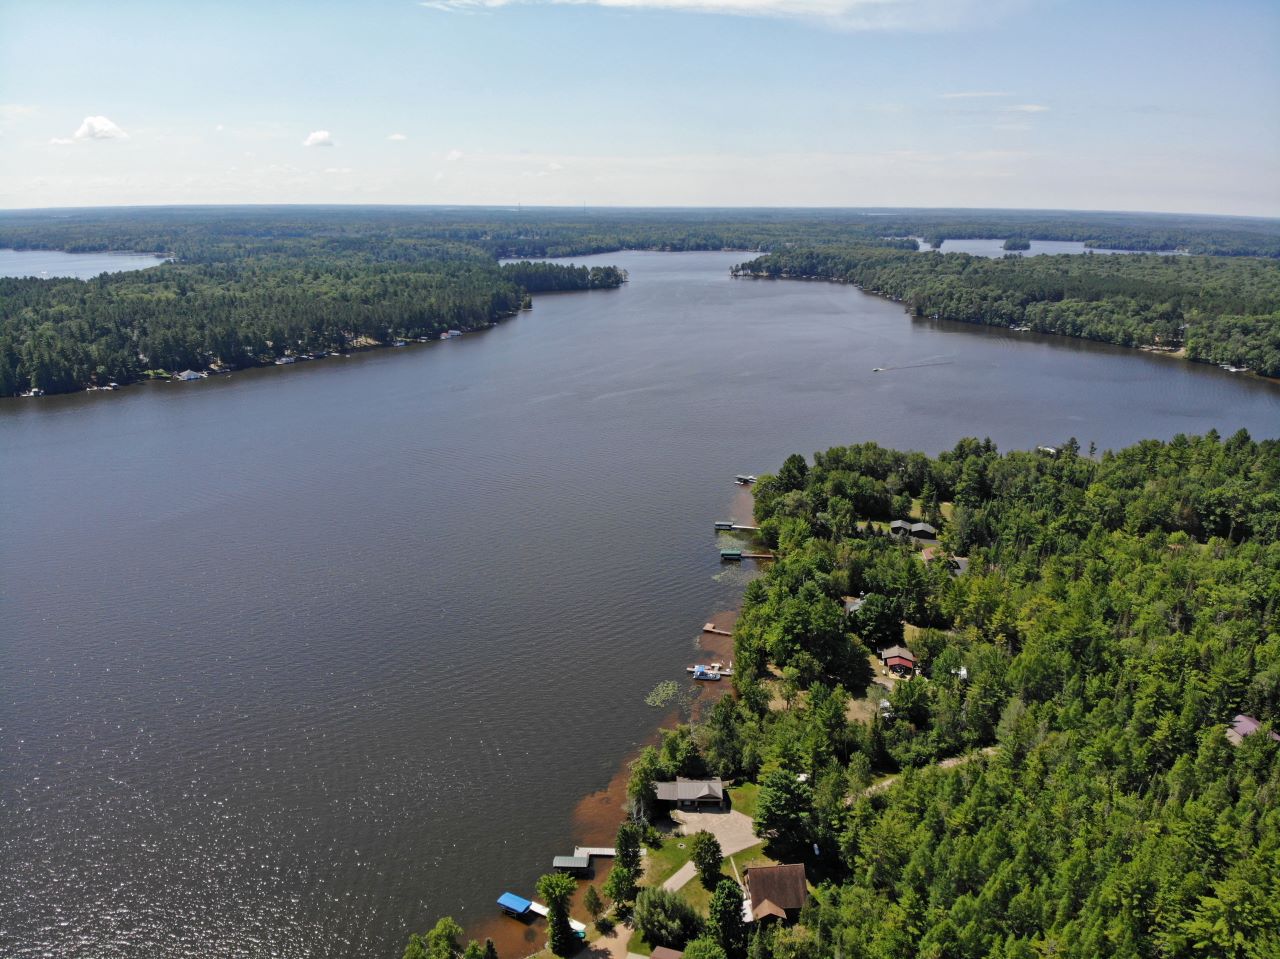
(541, 910)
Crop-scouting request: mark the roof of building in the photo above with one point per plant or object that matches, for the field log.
(1243, 726)
(571, 862)
(923, 528)
(775, 889)
(662, 952)
(509, 900)
(899, 524)
(898, 651)
(853, 603)
(690, 790)
(900, 661)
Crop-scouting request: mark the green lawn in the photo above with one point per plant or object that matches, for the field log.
(662, 863)
(743, 799)
(637, 944)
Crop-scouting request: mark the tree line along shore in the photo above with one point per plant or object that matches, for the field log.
(1078, 757)
(248, 285)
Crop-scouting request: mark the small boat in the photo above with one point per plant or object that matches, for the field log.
(743, 479)
(712, 671)
(286, 360)
(399, 343)
(878, 369)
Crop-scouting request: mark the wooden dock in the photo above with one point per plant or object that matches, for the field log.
(594, 851)
(712, 628)
(757, 556)
(541, 910)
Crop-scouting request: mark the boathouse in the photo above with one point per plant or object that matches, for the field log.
(776, 892)
(574, 865)
(730, 555)
(691, 793)
(187, 376)
(514, 905)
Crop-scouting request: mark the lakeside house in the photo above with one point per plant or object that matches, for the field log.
(900, 527)
(691, 793)
(186, 376)
(898, 660)
(1243, 726)
(776, 892)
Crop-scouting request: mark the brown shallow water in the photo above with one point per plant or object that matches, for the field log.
(297, 660)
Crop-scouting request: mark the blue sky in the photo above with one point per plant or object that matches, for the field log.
(1169, 106)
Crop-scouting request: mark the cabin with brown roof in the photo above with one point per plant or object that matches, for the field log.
(776, 892)
(688, 793)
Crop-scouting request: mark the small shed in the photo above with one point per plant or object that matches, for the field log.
(575, 865)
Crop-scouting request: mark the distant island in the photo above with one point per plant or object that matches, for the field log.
(1013, 245)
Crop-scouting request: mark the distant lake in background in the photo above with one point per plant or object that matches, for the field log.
(297, 660)
(995, 248)
(46, 264)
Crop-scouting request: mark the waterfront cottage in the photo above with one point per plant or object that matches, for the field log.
(691, 793)
(776, 892)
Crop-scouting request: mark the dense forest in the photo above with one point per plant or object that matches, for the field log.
(258, 302)
(191, 231)
(1220, 310)
(249, 285)
(1115, 615)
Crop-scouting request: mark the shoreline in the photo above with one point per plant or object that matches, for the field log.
(1178, 354)
(596, 817)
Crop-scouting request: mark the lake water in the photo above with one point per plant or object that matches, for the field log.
(83, 266)
(297, 660)
(995, 248)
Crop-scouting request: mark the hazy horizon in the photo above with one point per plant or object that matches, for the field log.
(824, 104)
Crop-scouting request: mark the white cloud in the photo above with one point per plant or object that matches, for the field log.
(219, 128)
(1027, 108)
(453, 156)
(98, 128)
(337, 169)
(848, 14)
(397, 136)
(61, 141)
(974, 95)
(318, 138)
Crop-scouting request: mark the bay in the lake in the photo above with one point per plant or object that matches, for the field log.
(297, 660)
(46, 264)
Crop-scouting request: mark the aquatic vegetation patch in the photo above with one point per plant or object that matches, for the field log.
(662, 693)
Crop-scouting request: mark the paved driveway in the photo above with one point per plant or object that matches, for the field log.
(731, 828)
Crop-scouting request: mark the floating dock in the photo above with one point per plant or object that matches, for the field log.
(713, 628)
